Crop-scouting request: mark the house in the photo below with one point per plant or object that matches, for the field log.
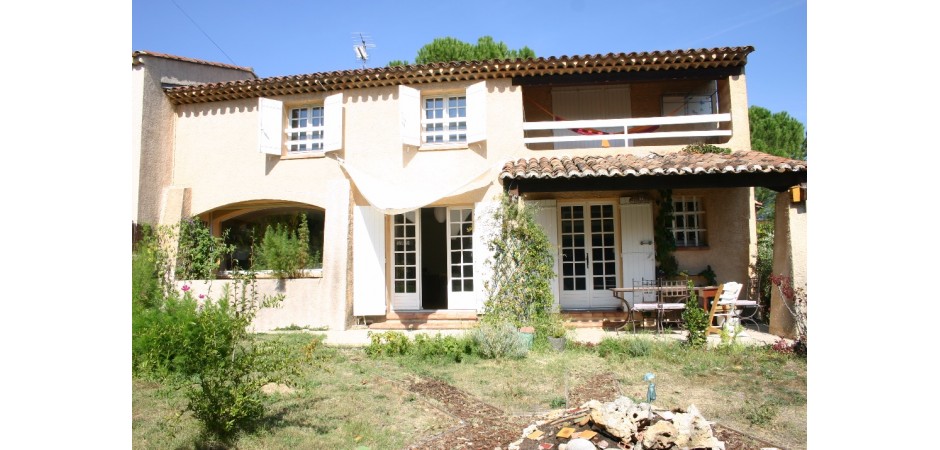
(399, 166)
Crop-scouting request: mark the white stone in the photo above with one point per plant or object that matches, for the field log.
(580, 444)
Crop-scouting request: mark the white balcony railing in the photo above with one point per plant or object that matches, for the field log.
(616, 129)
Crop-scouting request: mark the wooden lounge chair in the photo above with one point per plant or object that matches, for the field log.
(724, 306)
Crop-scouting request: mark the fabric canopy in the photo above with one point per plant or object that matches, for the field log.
(396, 193)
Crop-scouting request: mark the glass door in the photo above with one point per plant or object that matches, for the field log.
(588, 256)
(405, 281)
(460, 258)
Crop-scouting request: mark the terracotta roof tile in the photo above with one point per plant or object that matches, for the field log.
(675, 163)
(464, 70)
(190, 60)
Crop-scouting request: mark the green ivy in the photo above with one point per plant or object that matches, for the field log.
(665, 241)
(519, 290)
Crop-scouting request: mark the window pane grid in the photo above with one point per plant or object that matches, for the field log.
(305, 129)
(460, 251)
(441, 122)
(405, 253)
(688, 219)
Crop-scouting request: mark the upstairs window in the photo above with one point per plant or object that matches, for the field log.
(442, 121)
(445, 120)
(300, 131)
(688, 221)
(305, 129)
(688, 104)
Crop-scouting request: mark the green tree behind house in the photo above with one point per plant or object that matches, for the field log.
(445, 49)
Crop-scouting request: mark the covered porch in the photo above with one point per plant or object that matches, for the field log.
(716, 186)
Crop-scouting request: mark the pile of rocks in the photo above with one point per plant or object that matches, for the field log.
(621, 424)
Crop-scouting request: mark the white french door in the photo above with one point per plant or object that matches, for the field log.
(408, 263)
(406, 258)
(461, 294)
(588, 255)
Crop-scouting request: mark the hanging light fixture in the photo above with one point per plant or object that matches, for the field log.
(440, 214)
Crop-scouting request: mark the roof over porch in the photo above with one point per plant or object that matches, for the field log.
(682, 169)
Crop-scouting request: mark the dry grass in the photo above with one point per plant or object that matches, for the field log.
(345, 399)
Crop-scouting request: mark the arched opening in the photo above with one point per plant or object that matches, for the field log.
(246, 226)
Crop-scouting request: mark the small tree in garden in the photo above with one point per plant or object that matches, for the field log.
(695, 319)
(519, 289)
(204, 347)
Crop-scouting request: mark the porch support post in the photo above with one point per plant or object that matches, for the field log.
(789, 259)
(336, 304)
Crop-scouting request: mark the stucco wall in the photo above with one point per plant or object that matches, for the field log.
(731, 231)
(303, 303)
(153, 126)
(217, 157)
(789, 259)
(152, 143)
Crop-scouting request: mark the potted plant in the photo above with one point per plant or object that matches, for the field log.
(556, 334)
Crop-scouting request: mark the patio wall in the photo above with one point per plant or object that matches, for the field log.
(306, 302)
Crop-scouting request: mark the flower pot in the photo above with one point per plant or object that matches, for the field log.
(526, 338)
(558, 343)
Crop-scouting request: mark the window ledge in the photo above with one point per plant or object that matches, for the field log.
(304, 155)
(438, 147)
(704, 247)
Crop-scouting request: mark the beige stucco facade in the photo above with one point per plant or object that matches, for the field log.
(790, 260)
(203, 159)
(152, 124)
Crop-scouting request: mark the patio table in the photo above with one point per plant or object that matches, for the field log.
(702, 292)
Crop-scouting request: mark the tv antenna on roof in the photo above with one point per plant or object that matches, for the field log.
(362, 42)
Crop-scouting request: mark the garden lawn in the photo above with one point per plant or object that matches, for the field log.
(345, 399)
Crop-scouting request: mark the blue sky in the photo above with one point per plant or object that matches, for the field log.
(290, 37)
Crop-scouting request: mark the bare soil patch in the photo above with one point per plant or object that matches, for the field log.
(483, 426)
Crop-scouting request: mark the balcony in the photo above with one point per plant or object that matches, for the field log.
(623, 132)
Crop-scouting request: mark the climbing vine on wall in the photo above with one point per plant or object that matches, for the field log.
(666, 263)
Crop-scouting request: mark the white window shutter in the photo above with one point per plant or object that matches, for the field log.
(270, 126)
(484, 227)
(368, 261)
(547, 218)
(333, 122)
(476, 112)
(409, 111)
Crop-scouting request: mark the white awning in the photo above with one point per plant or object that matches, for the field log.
(402, 192)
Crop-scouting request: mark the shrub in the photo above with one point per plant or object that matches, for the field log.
(499, 340)
(284, 251)
(619, 347)
(161, 336)
(695, 320)
(200, 253)
(759, 413)
(146, 288)
(450, 347)
(389, 343)
(782, 346)
(207, 351)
